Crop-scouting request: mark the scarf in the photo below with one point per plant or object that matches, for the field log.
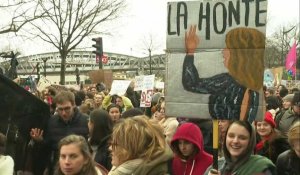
(127, 168)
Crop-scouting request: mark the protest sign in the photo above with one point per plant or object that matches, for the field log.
(119, 87)
(199, 34)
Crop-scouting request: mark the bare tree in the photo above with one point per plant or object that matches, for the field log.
(278, 45)
(68, 22)
(21, 12)
(150, 45)
(272, 54)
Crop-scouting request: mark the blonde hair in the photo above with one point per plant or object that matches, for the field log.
(294, 132)
(101, 94)
(246, 62)
(138, 137)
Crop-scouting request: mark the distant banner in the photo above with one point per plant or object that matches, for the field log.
(101, 76)
(144, 82)
(146, 85)
(149, 82)
(43, 83)
(138, 83)
(269, 78)
(146, 97)
(277, 72)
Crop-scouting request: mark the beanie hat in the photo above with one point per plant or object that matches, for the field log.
(269, 119)
(296, 99)
(288, 97)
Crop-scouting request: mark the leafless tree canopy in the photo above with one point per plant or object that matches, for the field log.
(68, 22)
(17, 13)
(278, 45)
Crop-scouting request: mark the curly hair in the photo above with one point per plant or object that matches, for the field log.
(138, 137)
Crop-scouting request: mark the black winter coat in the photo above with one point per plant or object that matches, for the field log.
(288, 163)
(274, 147)
(103, 154)
(58, 129)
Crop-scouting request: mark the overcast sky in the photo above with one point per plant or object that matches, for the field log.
(148, 17)
(152, 17)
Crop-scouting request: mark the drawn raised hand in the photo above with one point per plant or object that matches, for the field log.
(191, 40)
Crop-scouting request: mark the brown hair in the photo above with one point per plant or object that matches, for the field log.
(89, 167)
(246, 63)
(64, 96)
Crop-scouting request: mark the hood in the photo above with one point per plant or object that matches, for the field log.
(190, 132)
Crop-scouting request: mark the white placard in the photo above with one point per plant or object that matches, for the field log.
(159, 85)
(119, 87)
(139, 83)
(149, 82)
(144, 82)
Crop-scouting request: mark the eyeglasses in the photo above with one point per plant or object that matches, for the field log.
(66, 109)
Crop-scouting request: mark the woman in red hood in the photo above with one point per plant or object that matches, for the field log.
(190, 157)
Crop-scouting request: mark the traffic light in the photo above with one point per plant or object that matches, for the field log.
(99, 50)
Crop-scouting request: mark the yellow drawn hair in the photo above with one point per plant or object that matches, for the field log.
(246, 62)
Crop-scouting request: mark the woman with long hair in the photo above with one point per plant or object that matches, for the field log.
(100, 129)
(239, 143)
(271, 142)
(75, 157)
(139, 147)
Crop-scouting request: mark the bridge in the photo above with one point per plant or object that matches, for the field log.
(85, 61)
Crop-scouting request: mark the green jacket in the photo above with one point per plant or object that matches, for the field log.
(287, 120)
(126, 101)
(256, 164)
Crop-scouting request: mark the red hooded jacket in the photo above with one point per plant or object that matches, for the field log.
(197, 164)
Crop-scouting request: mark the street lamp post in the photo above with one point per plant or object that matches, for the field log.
(150, 61)
(45, 60)
(77, 72)
(38, 71)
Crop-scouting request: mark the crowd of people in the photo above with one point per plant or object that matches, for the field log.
(93, 132)
(117, 138)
